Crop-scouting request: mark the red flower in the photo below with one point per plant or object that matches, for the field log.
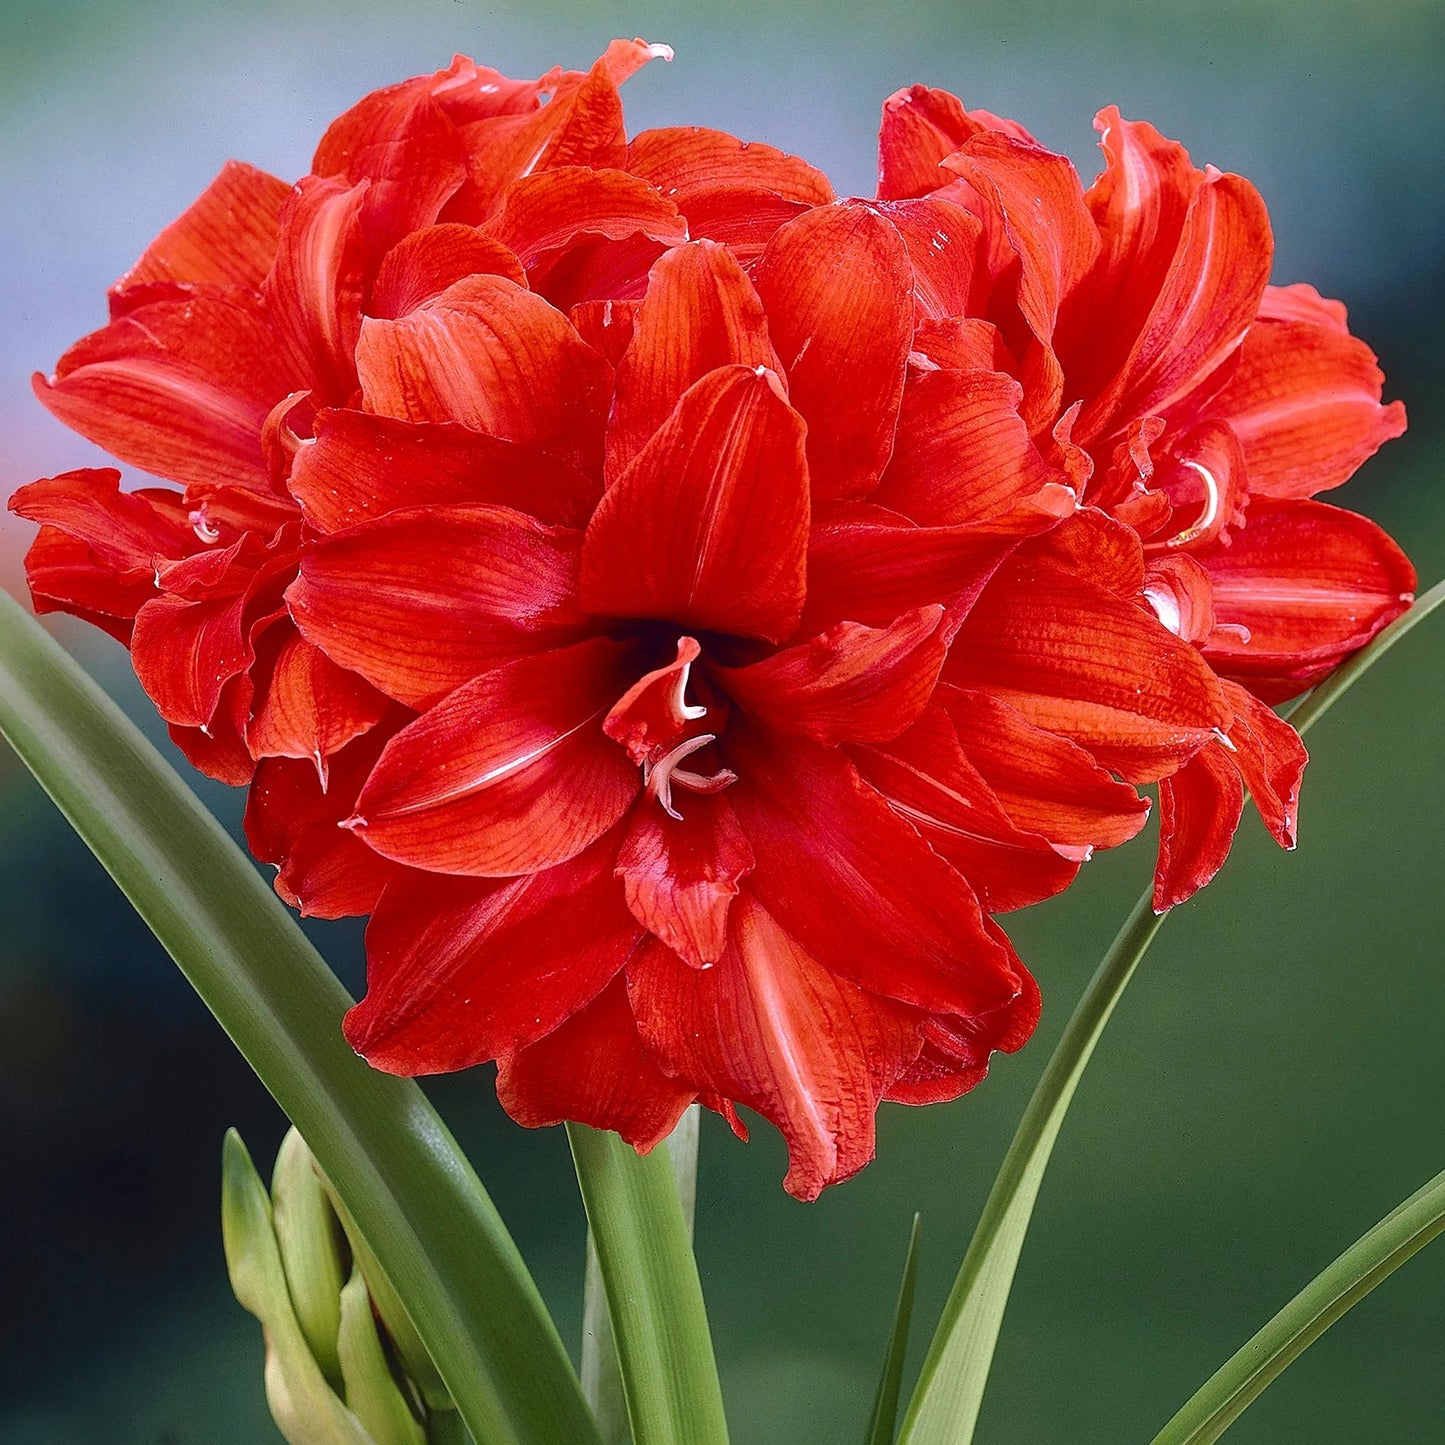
(1192, 402)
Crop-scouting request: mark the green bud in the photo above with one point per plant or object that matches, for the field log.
(305, 1408)
(310, 1241)
(371, 1388)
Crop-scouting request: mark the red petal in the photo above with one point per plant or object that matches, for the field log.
(399, 141)
(1305, 404)
(424, 264)
(928, 780)
(700, 313)
(496, 359)
(837, 285)
(851, 683)
(1271, 759)
(462, 970)
(920, 127)
(559, 208)
(1301, 302)
(184, 652)
(1206, 301)
(950, 273)
(653, 713)
(1086, 663)
(1205, 479)
(855, 885)
(292, 821)
(314, 290)
(1034, 199)
(178, 388)
(511, 773)
(219, 749)
(1047, 784)
(709, 524)
(308, 707)
(1199, 810)
(423, 599)
(680, 876)
(66, 576)
(1307, 584)
(873, 569)
(124, 531)
(227, 237)
(595, 1070)
(960, 343)
(606, 326)
(772, 1028)
(1178, 590)
(963, 453)
(362, 466)
(736, 192)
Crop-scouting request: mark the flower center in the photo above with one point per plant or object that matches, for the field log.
(660, 777)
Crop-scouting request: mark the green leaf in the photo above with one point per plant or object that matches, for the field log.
(885, 1405)
(1243, 1378)
(601, 1370)
(945, 1405)
(654, 1296)
(411, 1190)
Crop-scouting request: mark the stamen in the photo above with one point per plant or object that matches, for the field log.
(202, 525)
(659, 777)
(1213, 501)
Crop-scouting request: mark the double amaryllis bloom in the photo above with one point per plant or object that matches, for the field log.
(681, 607)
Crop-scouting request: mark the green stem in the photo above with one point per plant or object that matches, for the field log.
(945, 1405)
(414, 1196)
(649, 1277)
(601, 1369)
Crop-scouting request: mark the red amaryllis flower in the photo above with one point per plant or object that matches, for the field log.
(1196, 405)
(686, 812)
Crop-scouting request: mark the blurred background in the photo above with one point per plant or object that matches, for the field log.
(1272, 1083)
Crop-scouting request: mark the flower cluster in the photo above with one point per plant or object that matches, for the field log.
(681, 607)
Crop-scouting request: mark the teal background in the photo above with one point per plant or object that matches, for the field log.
(1272, 1083)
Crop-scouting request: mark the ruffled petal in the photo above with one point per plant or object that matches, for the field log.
(496, 359)
(314, 291)
(963, 453)
(732, 191)
(654, 712)
(1297, 591)
(463, 970)
(680, 875)
(945, 248)
(185, 651)
(1271, 758)
(594, 1069)
(837, 285)
(226, 237)
(292, 818)
(855, 885)
(1047, 784)
(180, 388)
(1199, 811)
(708, 526)
(927, 779)
(511, 773)
(361, 466)
(1305, 405)
(426, 263)
(1084, 662)
(922, 126)
(426, 598)
(771, 1027)
(306, 706)
(850, 683)
(700, 312)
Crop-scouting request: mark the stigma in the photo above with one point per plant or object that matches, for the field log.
(659, 777)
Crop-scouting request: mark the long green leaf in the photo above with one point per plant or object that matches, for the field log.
(945, 1405)
(890, 1383)
(391, 1158)
(1243, 1377)
(654, 1296)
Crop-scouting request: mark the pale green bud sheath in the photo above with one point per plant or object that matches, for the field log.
(372, 1392)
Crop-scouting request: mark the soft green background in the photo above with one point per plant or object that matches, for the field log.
(1273, 1082)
